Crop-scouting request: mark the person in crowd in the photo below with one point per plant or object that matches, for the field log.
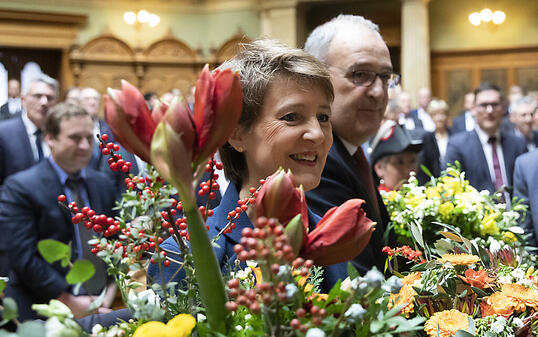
(408, 120)
(393, 111)
(285, 122)
(526, 187)
(486, 154)
(434, 143)
(30, 212)
(465, 121)
(12, 108)
(72, 95)
(361, 73)
(394, 156)
(151, 99)
(90, 100)
(522, 114)
(21, 141)
(424, 96)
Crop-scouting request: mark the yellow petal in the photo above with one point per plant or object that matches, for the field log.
(153, 329)
(180, 326)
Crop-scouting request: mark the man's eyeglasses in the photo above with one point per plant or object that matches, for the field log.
(365, 78)
(493, 105)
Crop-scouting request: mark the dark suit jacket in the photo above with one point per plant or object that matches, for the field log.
(458, 124)
(5, 114)
(29, 212)
(429, 156)
(15, 149)
(466, 148)
(225, 253)
(526, 187)
(339, 183)
(414, 115)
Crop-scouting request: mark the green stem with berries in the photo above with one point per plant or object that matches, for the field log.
(207, 271)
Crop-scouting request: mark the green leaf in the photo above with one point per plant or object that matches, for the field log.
(31, 329)
(416, 230)
(479, 291)
(98, 301)
(2, 286)
(426, 170)
(10, 309)
(81, 271)
(294, 232)
(461, 333)
(53, 250)
(352, 272)
(376, 326)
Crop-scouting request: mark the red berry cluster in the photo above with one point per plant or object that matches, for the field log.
(309, 312)
(405, 251)
(207, 187)
(98, 223)
(115, 161)
(242, 207)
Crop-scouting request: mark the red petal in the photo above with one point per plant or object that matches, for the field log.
(137, 112)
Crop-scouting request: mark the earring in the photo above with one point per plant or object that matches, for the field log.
(240, 149)
(381, 181)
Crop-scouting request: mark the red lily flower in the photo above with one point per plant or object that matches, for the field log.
(341, 234)
(130, 120)
(478, 279)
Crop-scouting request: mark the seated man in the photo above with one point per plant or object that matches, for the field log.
(30, 212)
(526, 187)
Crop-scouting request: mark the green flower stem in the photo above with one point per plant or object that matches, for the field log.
(207, 270)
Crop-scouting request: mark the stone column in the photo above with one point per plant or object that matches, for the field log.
(415, 46)
(279, 21)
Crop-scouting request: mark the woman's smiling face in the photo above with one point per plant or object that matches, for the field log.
(292, 131)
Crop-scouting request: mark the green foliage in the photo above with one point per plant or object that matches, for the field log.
(81, 271)
(54, 250)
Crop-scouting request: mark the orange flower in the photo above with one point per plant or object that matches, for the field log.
(499, 304)
(478, 279)
(459, 259)
(446, 323)
(406, 295)
(522, 296)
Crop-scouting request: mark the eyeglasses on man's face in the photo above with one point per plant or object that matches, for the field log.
(492, 105)
(365, 78)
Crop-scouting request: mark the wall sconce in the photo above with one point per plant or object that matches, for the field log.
(141, 17)
(487, 15)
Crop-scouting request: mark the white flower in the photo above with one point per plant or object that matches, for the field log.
(518, 322)
(355, 312)
(55, 328)
(238, 327)
(494, 246)
(291, 290)
(200, 318)
(504, 279)
(315, 332)
(497, 327)
(252, 263)
(518, 273)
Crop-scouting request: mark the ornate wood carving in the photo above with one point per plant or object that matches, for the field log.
(229, 48)
(170, 49)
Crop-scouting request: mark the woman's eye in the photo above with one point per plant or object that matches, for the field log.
(290, 117)
(323, 118)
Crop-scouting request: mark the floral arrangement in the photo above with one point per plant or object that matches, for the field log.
(450, 200)
(274, 287)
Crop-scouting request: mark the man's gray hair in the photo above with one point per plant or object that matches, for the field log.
(319, 40)
(44, 78)
(525, 100)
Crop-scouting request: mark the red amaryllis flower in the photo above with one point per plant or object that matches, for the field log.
(217, 109)
(130, 120)
(340, 235)
(478, 279)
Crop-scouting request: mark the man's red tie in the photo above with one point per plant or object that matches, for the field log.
(365, 175)
(496, 164)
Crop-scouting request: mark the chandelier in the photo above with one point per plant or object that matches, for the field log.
(487, 15)
(141, 17)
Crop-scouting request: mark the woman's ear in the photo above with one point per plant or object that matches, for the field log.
(379, 169)
(237, 139)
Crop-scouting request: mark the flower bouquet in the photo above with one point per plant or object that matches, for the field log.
(274, 286)
(450, 200)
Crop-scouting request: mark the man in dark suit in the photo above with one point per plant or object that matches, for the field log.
(465, 121)
(30, 212)
(12, 108)
(361, 72)
(521, 115)
(424, 97)
(21, 142)
(486, 154)
(526, 187)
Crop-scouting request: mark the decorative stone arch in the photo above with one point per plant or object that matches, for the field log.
(170, 50)
(106, 47)
(229, 48)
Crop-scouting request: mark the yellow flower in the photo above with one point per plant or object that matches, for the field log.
(413, 201)
(446, 323)
(179, 326)
(509, 237)
(445, 208)
(489, 225)
(391, 196)
(459, 259)
(521, 295)
(498, 303)
(406, 295)
(432, 193)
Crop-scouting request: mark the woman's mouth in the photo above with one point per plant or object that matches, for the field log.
(306, 158)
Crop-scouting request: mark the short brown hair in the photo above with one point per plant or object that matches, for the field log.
(259, 64)
(58, 113)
